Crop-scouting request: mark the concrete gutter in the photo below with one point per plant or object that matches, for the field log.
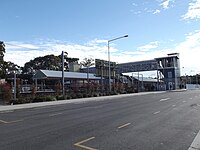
(73, 101)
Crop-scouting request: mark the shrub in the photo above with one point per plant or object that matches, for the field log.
(5, 92)
(43, 99)
(50, 98)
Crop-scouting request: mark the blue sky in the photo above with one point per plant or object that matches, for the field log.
(32, 28)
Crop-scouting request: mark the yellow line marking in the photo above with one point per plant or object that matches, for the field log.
(85, 147)
(14, 121)
(125, 125)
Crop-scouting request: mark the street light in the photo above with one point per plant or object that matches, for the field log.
(63, 76)
(109, 58)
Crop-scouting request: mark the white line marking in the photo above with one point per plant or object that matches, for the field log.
(157, 112)
(8, 111)
(2, 121)
(184, 101)
(164, 99)
(56, 114)
(14, 121)
(173, 105)
(190, 98)
(196, 143)
(125, 125)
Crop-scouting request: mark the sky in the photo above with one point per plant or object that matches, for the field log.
(82, 28)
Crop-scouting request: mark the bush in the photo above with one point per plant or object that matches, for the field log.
(43, 99)
(50, 98)
(84, 95)
(20, 101)
(79, 95)
(5, 92)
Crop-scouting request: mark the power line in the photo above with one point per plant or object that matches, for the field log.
(21, 46)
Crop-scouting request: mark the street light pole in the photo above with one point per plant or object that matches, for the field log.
(109, 70)
(15, 85)
(63, 78)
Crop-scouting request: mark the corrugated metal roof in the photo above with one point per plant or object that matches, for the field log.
(42, 74)
(146, 79)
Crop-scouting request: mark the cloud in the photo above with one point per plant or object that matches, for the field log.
(156, 11)
(193, 10)
(134, 4)
(20, 45)
(149, 46)
(22, 52)
(189, 50)
(165, 4)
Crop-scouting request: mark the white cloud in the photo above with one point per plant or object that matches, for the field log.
(20, 45)
(189, 50)
(149, 46)
(156, 11)
(193, 10)
(165, 4)
(21, 52)
(134, 4)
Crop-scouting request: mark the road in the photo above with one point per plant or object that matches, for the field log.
(160, 121)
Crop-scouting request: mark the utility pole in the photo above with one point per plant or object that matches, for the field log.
(15, 85)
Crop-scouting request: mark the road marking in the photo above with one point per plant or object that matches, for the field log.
(2, 121)
(184, 101)
(190, 98)
(56, 114)
(14, 121)
(164, 99)
(125, 125)
(157, 112)
(173, 105)
(83, 146)
(8, 111)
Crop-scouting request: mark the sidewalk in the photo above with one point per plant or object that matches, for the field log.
(73, 101)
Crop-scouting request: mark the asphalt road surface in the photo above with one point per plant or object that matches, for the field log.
(161, 121)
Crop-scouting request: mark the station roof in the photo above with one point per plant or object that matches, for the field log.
(45, 74)
(146, 79)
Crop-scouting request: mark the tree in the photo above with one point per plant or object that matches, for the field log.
(2, 51)
(67, 61)
(87, 62)
(48, 62)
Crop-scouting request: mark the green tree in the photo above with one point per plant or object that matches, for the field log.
(87, 62)
(2, 51)
(67, 61)
(48, 62)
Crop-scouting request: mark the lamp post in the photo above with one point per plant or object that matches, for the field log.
(109, 73)
(63, 76)
(15, 85)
